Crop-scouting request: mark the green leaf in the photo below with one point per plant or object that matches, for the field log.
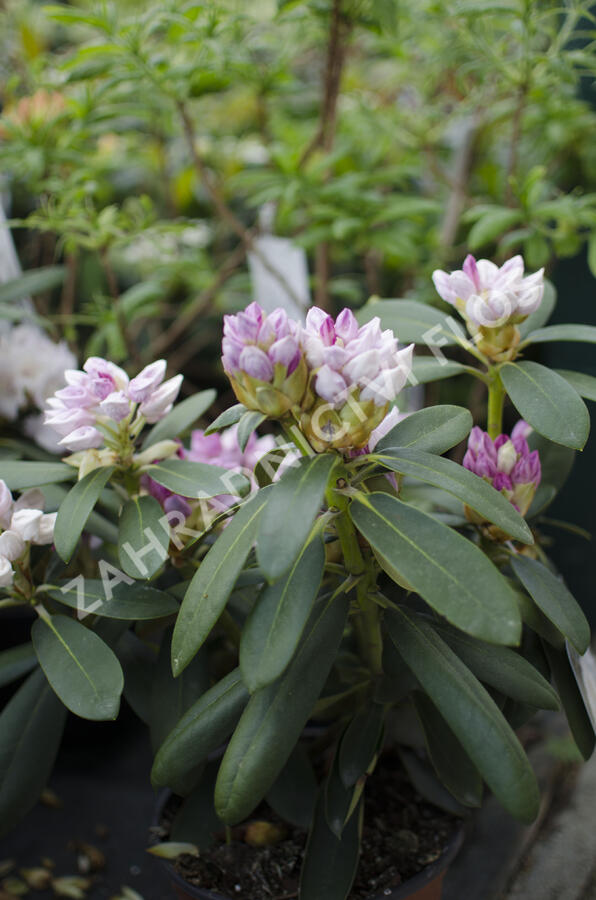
(172, 697)
(200, 731)
(585, 385)
(134, 602)
(197, 480)
(554, 599)
(182, 416)
(492, 225)
(76, 508)
(466, 486)
(425, 780)
(31, 726)
(435, 429)
(274, 627)
(20, 474)
(582, 333)
(427, 368)
(246, 426)
(410, 321)
(571, 699)
(291, 509)
(32, 282)
(212, 584)
(470, 712)
(541, 315)
(450, 761)
(196, 820)
(556, 463)
(547, 402)
(228, 417)
(448, 571)
(360, 743)
(15, 662)
(138, 664)
(330, 863)
(82, 670)
(275, 716)
(143, 537)
(293, 794)
(503, 669)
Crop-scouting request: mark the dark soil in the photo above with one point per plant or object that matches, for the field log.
(402, 835)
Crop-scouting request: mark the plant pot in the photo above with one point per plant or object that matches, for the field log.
(426, 885)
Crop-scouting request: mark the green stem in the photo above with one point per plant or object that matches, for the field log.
(496, 401)
(366, 622)
(297, 438)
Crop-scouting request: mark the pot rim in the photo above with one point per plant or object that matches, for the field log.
(403, 891)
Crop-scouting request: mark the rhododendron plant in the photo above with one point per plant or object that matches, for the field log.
(339, 568)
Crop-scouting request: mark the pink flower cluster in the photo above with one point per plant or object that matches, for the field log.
(506, 462)
(347, 357)
(102, 393)
(255, 343)
(490, 296)
(22, 522)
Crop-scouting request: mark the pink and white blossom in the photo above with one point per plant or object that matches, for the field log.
(488, 295)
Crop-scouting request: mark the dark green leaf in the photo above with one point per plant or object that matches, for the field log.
(329, 863)
(275, 716)
(133, 602)
(470, 712)
(198, 480)
(76, 508)
(31, 726)
(182, 416)
(556, 463)
(547, 402)
(20, 474)
(582, 333)
(554, 599)
(15, 662)
(448, 571)
(275, 625)
(571, 699)
(228, 417)
(294, 792)
(435, 430)
(425, 780)
(82, 670)
(360, 743)
(427, 368)
(138, 663)
(450, 761)
(585, 385)
(212, 584)
(143, 537)
(200, 731)
(291, 509)
(196, 821)
(455, 479)
(503, 669)
(246, 426)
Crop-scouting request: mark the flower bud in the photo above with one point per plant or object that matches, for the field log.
(46, 529)
(85, 438)
(159, 402)
(147, 381)
(115, 406)
(6, 572)
(5, 505)
(26, 523)
(12, 545)
(262, 357)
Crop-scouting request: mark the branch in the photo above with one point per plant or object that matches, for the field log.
(199, 304)
(223, 210)
(457, 198)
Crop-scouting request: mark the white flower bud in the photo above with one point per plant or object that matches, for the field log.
(6, 573)
(12, 545)
(46, 529)
(26, 522)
